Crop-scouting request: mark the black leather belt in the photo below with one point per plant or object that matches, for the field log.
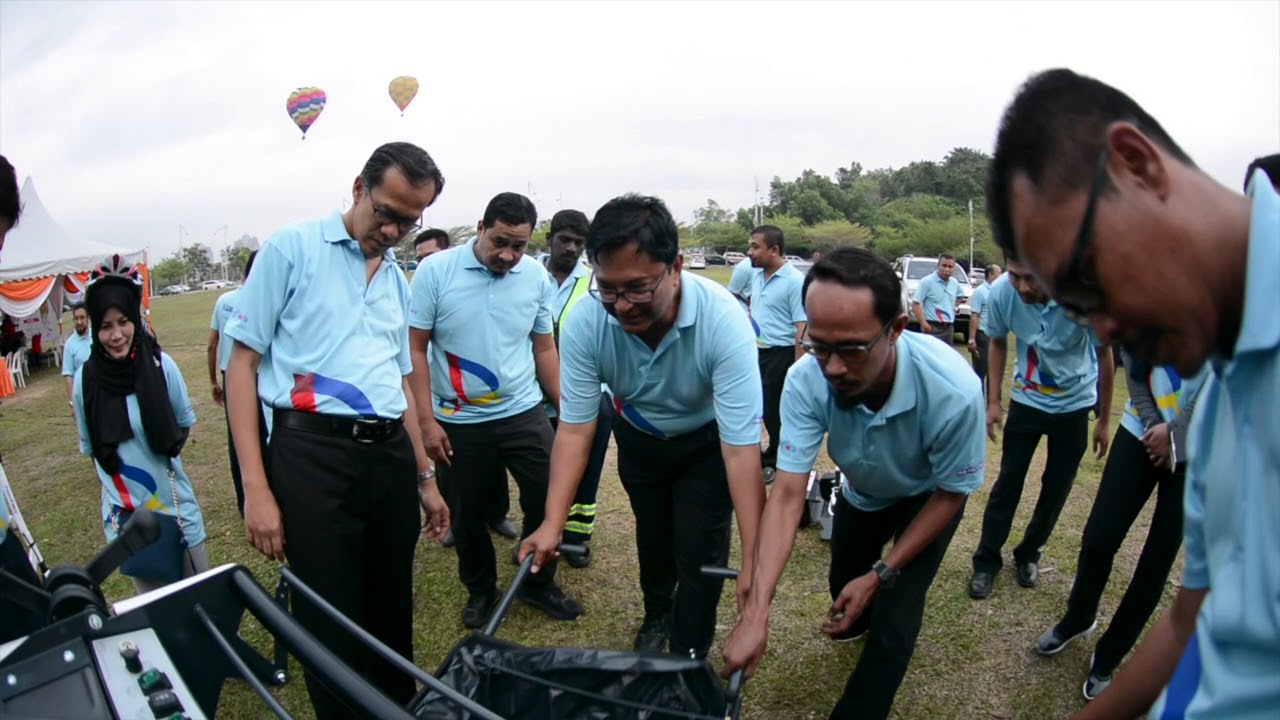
(361, 429)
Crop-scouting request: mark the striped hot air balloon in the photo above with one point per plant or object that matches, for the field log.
(305, 105)
(402, 91)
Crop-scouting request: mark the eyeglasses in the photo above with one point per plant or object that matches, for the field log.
(849, 353)
(385, 216)
(609, 296)
(1077, 292)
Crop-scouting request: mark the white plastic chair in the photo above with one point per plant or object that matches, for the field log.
(24, 359)
(15, 371)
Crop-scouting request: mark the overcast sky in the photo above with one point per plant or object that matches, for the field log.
(135, 118)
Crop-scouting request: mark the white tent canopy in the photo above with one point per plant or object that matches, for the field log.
(39, 247)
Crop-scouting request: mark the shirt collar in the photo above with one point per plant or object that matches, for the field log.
(903, 395)
(471, 262)
(334, 230)
(690, 301)
(582, 269)
(1260, 326)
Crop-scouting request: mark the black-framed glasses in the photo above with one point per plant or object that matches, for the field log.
(609, 296)
(1076, 291)
(385, 216)
(849, 353)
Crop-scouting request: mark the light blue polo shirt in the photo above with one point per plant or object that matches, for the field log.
(143, 480)
(978, 304)
(938, 298)
(75, 351)
(1230, 669)
(1057, 364)
(704, 369)
(777, 304)
(930, 434)
(1171, 393)
(223, 309)
(740, 279)
(330, 343)
(482, 328)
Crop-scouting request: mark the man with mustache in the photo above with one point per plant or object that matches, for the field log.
(1062, 370)
(324, 313)
(1084, 187)
(902, 414)
(484, 355)
(76, 349)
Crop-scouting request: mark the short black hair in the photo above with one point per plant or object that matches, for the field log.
(855, 267)
(946, 256)
(441, 237)
(414, 162)
(574, 221)
(1269, 165)
(1053, 132)
(248, 264)
(78, 306)
(772, 235)
(10, 203)
(990, 269)
(635, 218)
(511, 209)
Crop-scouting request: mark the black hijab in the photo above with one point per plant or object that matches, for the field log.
(106, 382)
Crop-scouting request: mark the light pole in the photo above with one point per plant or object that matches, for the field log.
(970, 235)
(224, 229)
(181, 232)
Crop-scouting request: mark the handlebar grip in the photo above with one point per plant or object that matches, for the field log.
(718, 571)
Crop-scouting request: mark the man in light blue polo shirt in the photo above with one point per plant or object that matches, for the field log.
(323, 314)
(777, 316)
(484, 354)
(1061, 371)
(740, 281)
(1071, 146)
(677, 353)
(978, 340)
(937, 297)
(903, 417)
(76, 349)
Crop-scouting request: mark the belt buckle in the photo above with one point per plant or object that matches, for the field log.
(364, 423)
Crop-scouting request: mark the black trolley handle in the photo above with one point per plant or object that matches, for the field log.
(504, 605)
(738, 677)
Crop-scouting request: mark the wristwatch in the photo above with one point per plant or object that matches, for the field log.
(888, 576)
(426, 476)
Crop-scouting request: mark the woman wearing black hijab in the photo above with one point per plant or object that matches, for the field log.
(134, 415)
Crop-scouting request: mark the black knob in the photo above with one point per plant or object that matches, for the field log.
(132, 662)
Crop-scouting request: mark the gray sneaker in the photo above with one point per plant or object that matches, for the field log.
(769, 473)
(1054, 640)
(1096, 682)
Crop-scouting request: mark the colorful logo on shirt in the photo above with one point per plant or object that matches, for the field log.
(942, 317)
(1037, 380)
(629, 411)
(755, 327)
(140, 478)
(306, 387)
(458, 366)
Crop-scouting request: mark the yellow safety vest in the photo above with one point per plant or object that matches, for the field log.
(580, 287)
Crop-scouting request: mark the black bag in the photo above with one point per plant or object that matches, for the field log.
(165, 559)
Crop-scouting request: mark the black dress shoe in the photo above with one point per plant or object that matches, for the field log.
(576, 560)
(552, 601)
(477, 610)
(1028, 574)
(505, 528)
(981, 585)
(654, 634)
(449, 540)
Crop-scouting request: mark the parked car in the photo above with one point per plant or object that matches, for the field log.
(212, 284)
(170, 290)
(697, 262)
(793, 258)
(716, 259)
(912, 270)
(733, 258)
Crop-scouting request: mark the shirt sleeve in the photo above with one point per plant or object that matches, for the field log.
(958, 450)
(740, 280)
(797, 302)
(580, 365)
(263, 297)
(735, 380)
(544, 321)
(422, 298)
(67, 370)
(82, 426)
(804, 420)
(217, 310)
(995, 321)
(178, 397)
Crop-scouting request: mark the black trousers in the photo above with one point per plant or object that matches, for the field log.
(774, 362)
(1128, 480)
(981, 342)
(894, 616)
(482, 453)
(1068, 435)
(16, 620)
(679, 492)
(582, 514)
(351, 524)
(231, 445)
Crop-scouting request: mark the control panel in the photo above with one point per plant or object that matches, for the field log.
(141, 680)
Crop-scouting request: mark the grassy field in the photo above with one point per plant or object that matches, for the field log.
(973, 659)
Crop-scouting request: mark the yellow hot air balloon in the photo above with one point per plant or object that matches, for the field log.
(402, 91)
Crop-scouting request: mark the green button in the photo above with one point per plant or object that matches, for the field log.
(153, 680)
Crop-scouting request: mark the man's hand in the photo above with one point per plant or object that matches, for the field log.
(994, 415)
(851, 603)
(542, 543)
(436, 523)
(745, 645)
(973, 346)
(925, 326)
(1159, 447)
(1101, 436)
(263, 523)
(217, 395)
(436, 442)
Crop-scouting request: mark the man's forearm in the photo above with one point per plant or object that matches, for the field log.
(938, 511)
(746, 489)
(70, 387)
(415, 438)
(546, 365)
(420, 389)
(569, 454)
(918, 309)
(775, 540)
(211, 356)
(800, 327)
(997, 355)
(1106, 381)
(242, 394)
(1142, 678)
